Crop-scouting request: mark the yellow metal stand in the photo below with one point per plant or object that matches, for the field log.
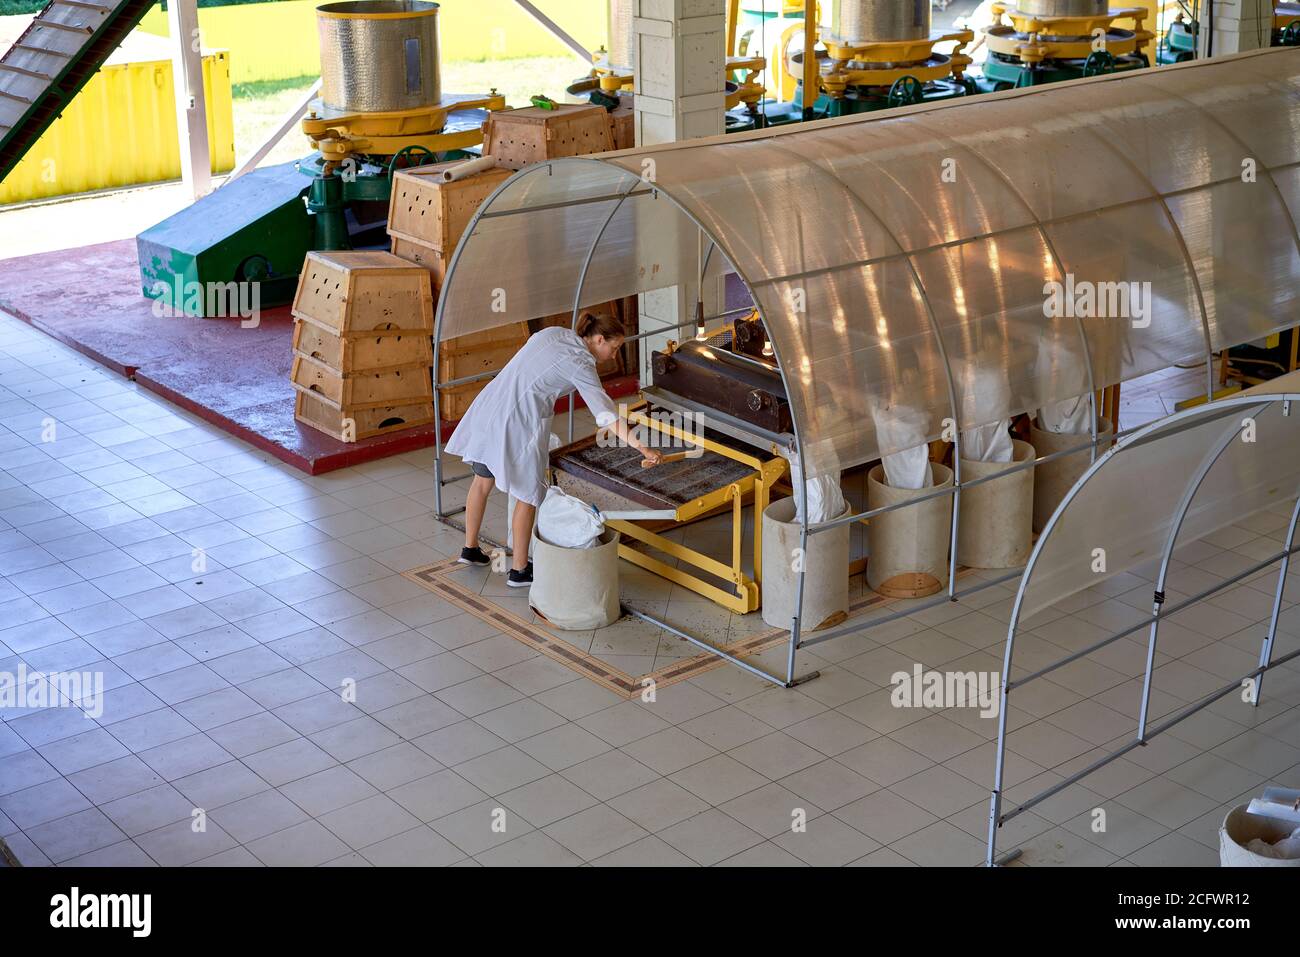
(883, 62)
(1032, 38)
(744, 595)
(386, 134)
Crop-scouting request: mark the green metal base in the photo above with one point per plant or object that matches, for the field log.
(1179, 44)
(255, 229)
(260, 227)
(999, 74)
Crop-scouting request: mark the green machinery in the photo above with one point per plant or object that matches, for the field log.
(1047, 41)
(381, 109)
(260, 227)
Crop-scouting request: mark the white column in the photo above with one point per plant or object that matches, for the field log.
(191, 107)
(1239, 25)
(680, 94)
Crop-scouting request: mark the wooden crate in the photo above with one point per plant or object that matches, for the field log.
(363, 291)
(516, 138)
(622, 123)
(355, 424)
(470, 355)
(431, 260)
(362, 390)
(373, 351)
(424, 209)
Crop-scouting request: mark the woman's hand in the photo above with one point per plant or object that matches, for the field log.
(650, 458)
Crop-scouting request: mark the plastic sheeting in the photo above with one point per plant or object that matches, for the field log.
(1122, 513)
(887, 251)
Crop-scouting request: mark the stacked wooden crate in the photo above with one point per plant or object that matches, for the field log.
(426, 219)
(516, 138)
(362, 351)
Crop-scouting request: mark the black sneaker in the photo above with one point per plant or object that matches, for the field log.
(517, 579)
(473, 556)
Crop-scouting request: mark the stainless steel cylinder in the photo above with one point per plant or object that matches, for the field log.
(378, 56)
(864, 21)
(622, 42)
(1063, 8)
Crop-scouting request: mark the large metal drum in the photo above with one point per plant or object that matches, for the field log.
(622, 41)
(862, 21)
(1063, 8)
(378, 56)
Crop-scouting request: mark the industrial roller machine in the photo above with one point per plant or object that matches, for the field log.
(381, 108)
(728, 377)
(1043, 41)
(877, 54)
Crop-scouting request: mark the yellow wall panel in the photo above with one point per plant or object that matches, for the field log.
(278, 41)
(121, 130)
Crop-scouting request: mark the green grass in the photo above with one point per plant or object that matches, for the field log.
(262, 89)
(9, 8)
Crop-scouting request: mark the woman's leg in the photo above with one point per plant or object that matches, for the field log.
(475, 505)
(522, 526)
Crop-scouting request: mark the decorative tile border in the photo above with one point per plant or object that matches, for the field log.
(438, 579)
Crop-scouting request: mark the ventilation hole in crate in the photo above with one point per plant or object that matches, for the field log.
(394, 420)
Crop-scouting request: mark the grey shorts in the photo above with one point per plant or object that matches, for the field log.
(481, 469)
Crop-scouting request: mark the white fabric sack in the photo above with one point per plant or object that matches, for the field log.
(984, 387)
(909, 468)
(903, 427)
(825, 497)
(567, 521)
(988, 443)
(1061, 370)
(1067, 417)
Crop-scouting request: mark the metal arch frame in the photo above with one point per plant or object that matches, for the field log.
(441, 515)
(582, 275)
(1222, 409)
(943, 356)
(1160, 198)
(1060, 266)
(795, 641)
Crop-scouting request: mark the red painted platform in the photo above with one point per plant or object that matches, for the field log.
(236, 378)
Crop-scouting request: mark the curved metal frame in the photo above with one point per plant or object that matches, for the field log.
(1033, 223)
(1224, 409)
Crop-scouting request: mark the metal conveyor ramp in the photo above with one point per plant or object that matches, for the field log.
(49, 64)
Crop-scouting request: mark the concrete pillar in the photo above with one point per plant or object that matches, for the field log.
(191, 105)
(680, 94)
(1239, 25)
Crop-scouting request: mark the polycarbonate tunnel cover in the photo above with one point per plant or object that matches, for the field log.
(944, 265)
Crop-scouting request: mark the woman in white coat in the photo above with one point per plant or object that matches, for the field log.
(504, 436)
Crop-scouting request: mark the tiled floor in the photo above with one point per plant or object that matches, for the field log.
(297, 701)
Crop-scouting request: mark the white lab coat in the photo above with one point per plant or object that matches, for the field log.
(508, 425)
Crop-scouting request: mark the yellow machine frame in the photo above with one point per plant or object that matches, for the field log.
(748, 90)
(386, 134)
(746, 594)
(838, 77)
(1030, 36)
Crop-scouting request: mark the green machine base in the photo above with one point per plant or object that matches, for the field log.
(905, 91)
(1002, 74)
(1179, 43)
(260, 227)
(256, 229)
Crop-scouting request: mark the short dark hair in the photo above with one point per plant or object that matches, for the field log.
(600, 323)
